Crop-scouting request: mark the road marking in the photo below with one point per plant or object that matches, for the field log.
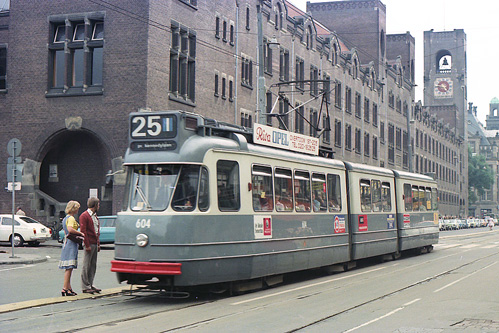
(412, 302)
(489, 246)
(374, 320)
(464, 277)
(10, 269)
(469, 246)
(307, 286)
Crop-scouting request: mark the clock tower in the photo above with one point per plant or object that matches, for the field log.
(445, 83)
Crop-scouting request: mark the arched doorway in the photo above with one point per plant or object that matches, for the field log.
(73, 163)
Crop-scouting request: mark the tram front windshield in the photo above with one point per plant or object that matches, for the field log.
(152, 186)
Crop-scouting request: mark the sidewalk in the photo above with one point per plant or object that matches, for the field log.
(19, 259)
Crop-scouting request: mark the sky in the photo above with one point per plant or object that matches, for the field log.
(478, 18)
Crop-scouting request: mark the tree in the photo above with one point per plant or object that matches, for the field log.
(480, 176)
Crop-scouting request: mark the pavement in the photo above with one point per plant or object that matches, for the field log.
(19, 259)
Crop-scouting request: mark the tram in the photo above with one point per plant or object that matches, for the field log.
(209, 203)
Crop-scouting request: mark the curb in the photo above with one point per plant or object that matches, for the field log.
(62, 299)
(20, 260)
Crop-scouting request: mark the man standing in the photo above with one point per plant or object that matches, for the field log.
(89, 225)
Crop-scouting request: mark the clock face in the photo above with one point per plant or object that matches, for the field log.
(443, 87)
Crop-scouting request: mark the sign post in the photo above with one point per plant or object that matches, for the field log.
(14, 149)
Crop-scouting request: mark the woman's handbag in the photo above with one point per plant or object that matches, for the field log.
(75, 238)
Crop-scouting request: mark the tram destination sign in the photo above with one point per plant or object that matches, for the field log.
(274, 137)
(152, 126)
(153, 145)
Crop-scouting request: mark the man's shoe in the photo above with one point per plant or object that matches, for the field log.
(88, 291)
(97, 290)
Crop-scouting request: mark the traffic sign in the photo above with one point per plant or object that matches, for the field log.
(17, 186)
(14, 147)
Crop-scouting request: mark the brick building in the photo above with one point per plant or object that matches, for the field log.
(75, 70)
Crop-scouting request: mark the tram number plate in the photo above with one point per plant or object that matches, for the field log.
(153, 126)
(143, 223)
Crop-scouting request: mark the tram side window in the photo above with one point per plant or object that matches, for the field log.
(204, 191)
(365, 195)
(415, 198)
(263, 199)
(428, 198)
(386, 196)
(319, 198)
(228, 185)
(334, 192)
(302, 191)
(184, 198)
(434, 199)
(283, 190)
(377, 205)
(407, 197)
(422, 200)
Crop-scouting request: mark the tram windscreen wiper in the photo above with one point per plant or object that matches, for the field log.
(141, 193)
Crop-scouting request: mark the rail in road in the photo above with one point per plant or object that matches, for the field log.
(445, 290)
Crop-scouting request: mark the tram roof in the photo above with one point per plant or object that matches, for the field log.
(410, 175)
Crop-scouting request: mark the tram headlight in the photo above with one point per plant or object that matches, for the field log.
(141, 240)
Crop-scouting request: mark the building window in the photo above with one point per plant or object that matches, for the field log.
(300, 73)
(217, 27)
(366, 110)
(358, 100)
(284, 65)
(231, 34)
(348, 100)
(382, 132)
(348, 137)
(267, 56)
(391, 99)
(76, 55)
(375, 148)
(247, 18)
(216, 84)
(3, 67)
(337, 95)
(224, 31)
(182, 64)
(269, 107)
(375, 115)
(299, 119)
(246, 119)
(358, 134)
(246, 72)
(314, 80)
(398, 138)
(399, 106)
(283, 110)
(224, 86)
(231, 89)
(192, 3)
(337, 133)
(314, 123)
(326, 88)
(367, 143)
(391, 144)
(326, 136)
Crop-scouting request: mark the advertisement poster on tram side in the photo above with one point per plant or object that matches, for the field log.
(363, 223)
(262, 226)
(277, 138)
(390, 220)
(407, 220)
(339, 224)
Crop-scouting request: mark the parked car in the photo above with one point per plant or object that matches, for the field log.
(26, 230)
(107, 230)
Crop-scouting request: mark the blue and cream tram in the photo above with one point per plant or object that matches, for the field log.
(204, 204)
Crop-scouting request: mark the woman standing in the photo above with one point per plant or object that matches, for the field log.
(69, 255)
